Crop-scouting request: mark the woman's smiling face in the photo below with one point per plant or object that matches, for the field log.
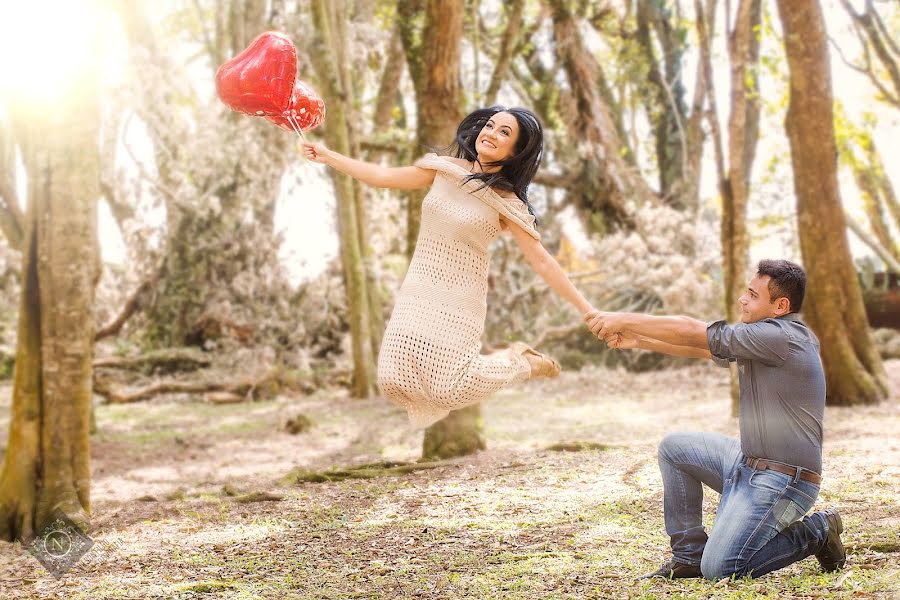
(498, 137)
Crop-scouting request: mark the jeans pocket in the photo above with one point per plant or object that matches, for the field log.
(803, 493)
(770, 481)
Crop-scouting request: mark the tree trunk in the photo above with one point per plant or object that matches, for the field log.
(607, 181)
(333, 76)
(433, 55)
(834, 305)
(665, 103)
(458, 434)
(743, 133)
(46, 464)
(389, 88)
(514, 12)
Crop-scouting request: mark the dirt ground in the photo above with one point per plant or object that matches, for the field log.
(518, 520)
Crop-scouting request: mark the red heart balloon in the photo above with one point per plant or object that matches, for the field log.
(259, 80)
(307, 108)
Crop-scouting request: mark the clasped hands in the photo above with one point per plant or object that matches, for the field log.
(610, 327)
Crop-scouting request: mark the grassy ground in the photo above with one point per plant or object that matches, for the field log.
(515, 521)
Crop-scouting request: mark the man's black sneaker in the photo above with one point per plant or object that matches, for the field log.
(673, 569)
(832, 555)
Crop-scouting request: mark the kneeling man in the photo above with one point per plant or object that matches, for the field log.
(769, 479)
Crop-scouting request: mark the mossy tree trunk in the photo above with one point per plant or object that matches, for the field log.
(333, 74)
(459, 433)
(834, 305)
(46, 464)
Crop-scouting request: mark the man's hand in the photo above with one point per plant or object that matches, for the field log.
(605, 324)
(622, 341)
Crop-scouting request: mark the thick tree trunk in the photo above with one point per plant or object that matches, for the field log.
(332, 74)
(458, 434)
(834, 304)
(46, 466)
(433, 55)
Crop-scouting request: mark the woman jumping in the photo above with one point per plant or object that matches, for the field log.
(430, 361)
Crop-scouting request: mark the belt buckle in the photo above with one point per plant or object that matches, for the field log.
(753, 463)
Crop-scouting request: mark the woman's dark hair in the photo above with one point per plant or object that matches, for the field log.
(786, 280)
(517, 171)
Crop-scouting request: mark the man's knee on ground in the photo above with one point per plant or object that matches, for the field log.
(715, 568)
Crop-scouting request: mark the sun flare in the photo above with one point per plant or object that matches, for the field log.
(50, 47)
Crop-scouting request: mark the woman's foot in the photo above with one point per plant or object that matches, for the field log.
(541, 364)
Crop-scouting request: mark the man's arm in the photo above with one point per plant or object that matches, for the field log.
(645, 343)
(676, 331)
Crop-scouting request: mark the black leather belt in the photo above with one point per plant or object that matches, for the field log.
(761, 464)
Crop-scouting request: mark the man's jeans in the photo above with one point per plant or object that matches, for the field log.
(760, 524)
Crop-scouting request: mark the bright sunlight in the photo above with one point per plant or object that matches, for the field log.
(50, 47)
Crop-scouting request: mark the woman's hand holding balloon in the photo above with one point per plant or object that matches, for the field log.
(315, 152)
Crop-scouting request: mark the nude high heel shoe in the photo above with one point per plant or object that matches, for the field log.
(546, 367)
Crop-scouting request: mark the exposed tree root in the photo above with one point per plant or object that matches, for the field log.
(367, 471)
(578, 446)
(169, 359)
(264, 387)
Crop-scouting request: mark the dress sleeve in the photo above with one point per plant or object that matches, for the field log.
(511, 208)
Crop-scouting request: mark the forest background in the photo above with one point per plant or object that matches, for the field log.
(160, 250)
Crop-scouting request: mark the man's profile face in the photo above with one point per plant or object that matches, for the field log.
(756, 304)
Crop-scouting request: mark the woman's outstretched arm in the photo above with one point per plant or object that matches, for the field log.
(547, 267)
(406, 178)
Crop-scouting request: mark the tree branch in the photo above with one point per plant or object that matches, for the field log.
(136, 302)
(867, 239)
(12, 221)
(510, 38)
(554, 180)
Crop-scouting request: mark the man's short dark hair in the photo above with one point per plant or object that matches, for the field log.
(786, 280)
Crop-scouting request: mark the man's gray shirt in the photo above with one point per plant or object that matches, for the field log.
(782, 387)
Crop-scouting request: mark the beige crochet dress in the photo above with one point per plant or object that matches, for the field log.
(430, 361)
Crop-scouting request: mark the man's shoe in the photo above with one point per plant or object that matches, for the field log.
(832, 555)
(673, 569)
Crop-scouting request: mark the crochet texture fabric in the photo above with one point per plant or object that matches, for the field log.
(430, 361)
